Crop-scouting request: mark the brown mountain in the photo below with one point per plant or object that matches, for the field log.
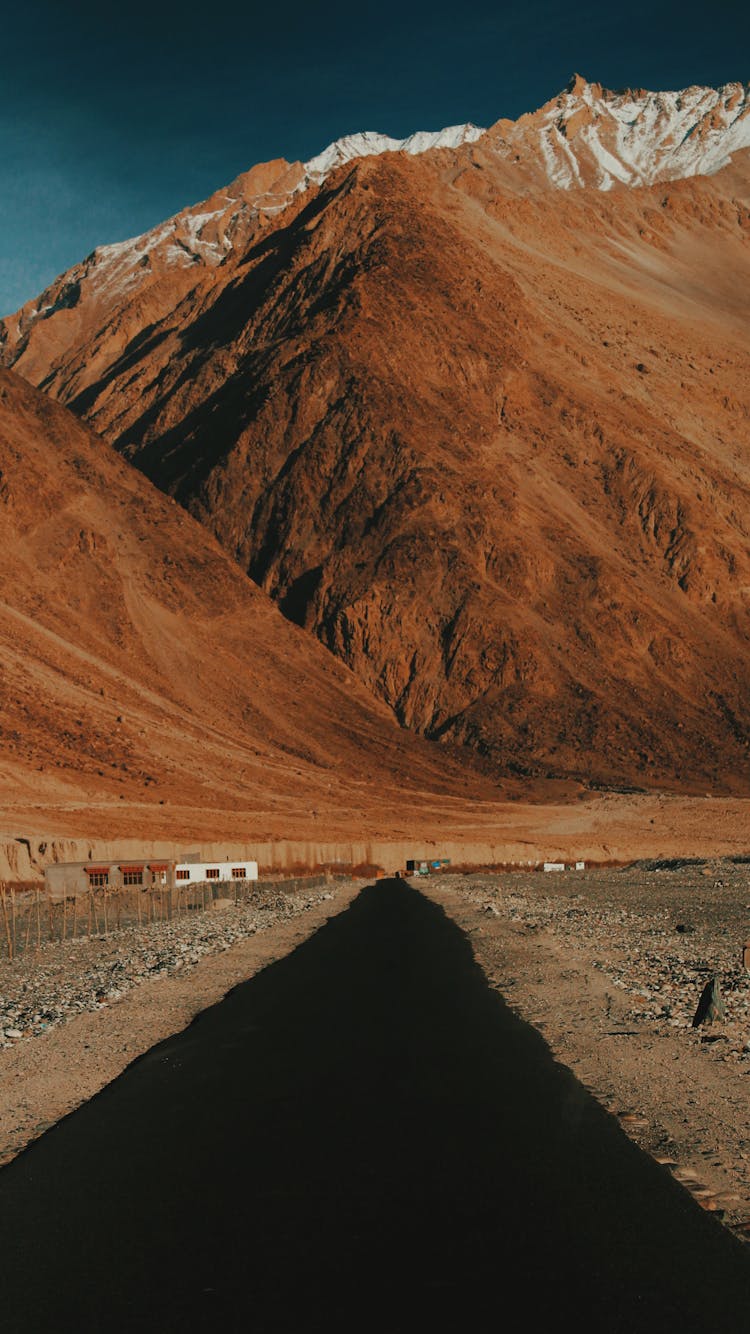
(485, 436)
(149, 689)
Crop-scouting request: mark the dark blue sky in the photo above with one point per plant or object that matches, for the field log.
(112, 119)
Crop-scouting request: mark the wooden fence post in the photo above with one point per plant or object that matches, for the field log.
(7, 923)
(28, 928)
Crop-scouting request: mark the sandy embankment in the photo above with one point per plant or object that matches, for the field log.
(605, 828)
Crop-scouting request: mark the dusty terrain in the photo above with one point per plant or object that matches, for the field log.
(484, 441)
(609, 967)
(365, 1106)
(73, 1017)
(472, 832)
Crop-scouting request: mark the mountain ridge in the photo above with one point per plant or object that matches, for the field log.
(539, 141)
(589, 136)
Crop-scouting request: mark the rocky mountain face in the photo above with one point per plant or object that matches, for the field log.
(479, 427)
(586, 136)
(589, 136)
(147, 686)
(142, 277)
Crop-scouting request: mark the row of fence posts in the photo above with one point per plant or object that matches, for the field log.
(32, 917)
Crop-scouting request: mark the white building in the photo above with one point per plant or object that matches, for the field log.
(198, 873)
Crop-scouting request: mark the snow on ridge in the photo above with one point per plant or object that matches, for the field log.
(371, 144)
(586, 136)
(637, 138)
(366, 144)
(116, 263)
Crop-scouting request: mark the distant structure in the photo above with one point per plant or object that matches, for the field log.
(417, 866)
(77, 877)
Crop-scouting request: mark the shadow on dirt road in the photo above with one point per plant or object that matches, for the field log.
(364, 1137)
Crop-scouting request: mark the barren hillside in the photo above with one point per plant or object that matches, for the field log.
(148, 688)
(485, 437)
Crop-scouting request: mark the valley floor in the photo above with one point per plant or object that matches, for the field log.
(74, 1015)
(609, 966)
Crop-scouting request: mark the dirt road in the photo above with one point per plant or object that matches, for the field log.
(363, 1136)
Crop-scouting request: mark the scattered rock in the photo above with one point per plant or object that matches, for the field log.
(711, 1007)
(47, 986)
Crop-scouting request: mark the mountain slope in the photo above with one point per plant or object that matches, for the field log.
(486, 444)
(139, 666)
(142, 278)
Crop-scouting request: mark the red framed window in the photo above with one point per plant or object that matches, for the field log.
(98, 876)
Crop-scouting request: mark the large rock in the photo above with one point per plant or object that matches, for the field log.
(710, 1006)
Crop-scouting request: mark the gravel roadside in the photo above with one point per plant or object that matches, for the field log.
(75, 1014)
(609, 966)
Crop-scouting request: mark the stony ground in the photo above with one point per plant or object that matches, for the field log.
(609, 965)
(49, 986)
(74, 1015)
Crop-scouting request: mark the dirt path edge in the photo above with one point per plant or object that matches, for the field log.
(48, 1076)
(671, 1092)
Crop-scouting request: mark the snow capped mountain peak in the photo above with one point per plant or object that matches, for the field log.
(203, 235)
(585, 137)
(590, 136)
(370, 144)
(576, 85)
